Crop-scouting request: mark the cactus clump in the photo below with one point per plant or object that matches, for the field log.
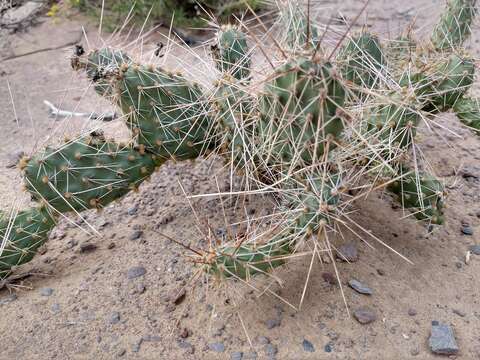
(316, 131)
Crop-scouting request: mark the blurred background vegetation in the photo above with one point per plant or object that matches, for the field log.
(185, 13)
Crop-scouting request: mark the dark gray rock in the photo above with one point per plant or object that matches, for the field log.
(137, 234)
(308, 346)
(217, 347)
(114, 318)
(133, 210)
(328, 348)
(359, 287)
(237, 355)
(442, 340)
(46, 291)
(348, 252)
(467, 230)
(135, 272)
(475, 249)
(365, 315)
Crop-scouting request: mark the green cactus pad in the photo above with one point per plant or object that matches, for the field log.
(455, 25)
(362, 60)
(299, 113)
(395, 122)
(86, 173)
(310, 202)
(234, 120)
(423, 195)
(440, 83)
(166, 113)
(245, 261)
(231, 53)
(21, 235)
(468, 111)
(99, 65)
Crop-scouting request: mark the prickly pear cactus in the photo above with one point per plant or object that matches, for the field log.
(320, 131)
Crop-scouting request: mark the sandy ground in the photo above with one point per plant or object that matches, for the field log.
(97, 312)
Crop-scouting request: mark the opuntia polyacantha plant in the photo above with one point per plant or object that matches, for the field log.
(326, 127)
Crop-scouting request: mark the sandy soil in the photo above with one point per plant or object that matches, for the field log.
(96, 312)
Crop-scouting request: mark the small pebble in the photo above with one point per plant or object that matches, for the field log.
(137, 234)
(359, 287)
(459, 312)
(475, 249)
(271, 350)
(217, 347)
(412, 312)
(135, 272)
(56, 308)
(328, 348)
(237, 355)
(365, 315)
(136, 346)
(114, 318)
(467, 230)
(46, 291)
(151, 338)
(87, 247)
(308, 346)
(132, 210)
